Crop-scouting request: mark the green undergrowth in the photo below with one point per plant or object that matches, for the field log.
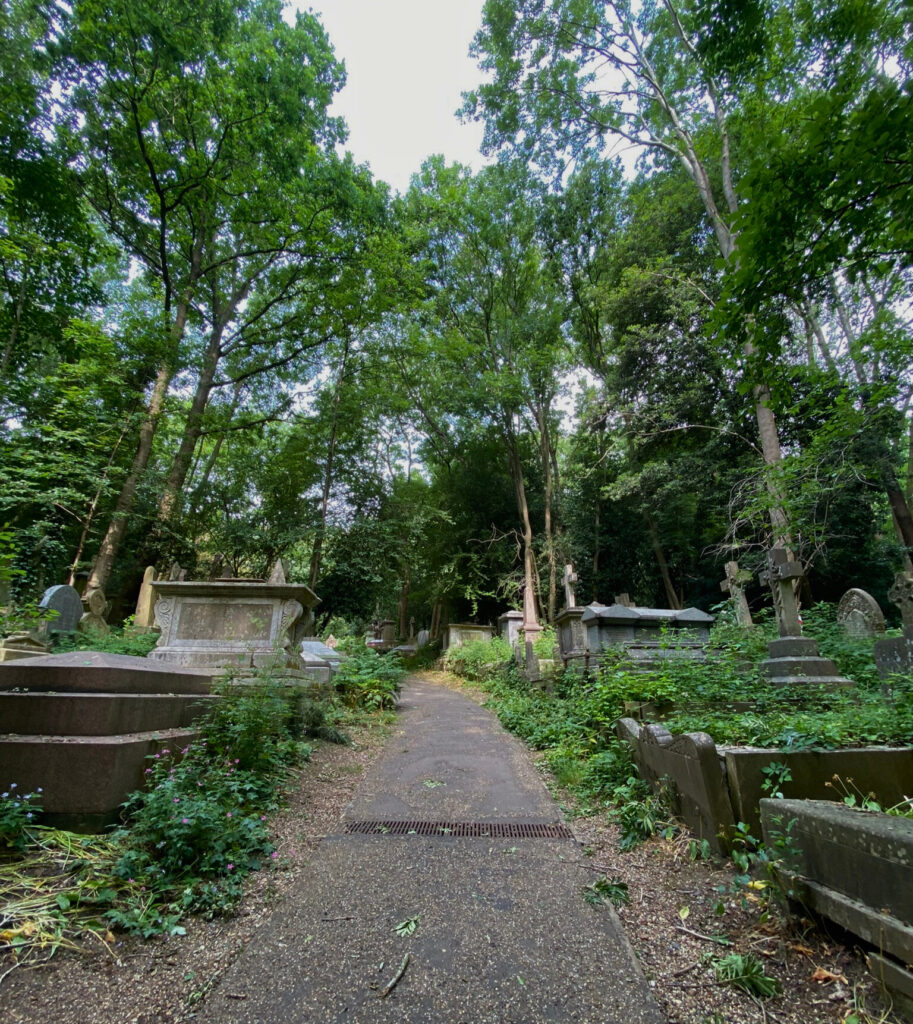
(367, 679)
(118, 641)
(186, 841)
(574, 722)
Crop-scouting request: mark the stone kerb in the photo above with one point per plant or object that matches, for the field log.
(856, 868)
(714, 787)
(688, 770)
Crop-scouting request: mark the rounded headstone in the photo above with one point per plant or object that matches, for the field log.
(95, 602)
(423, 638)
(65, 601)
(859, 613)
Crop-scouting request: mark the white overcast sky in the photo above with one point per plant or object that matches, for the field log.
(407, 63)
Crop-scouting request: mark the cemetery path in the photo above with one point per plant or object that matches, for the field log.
(502, 933)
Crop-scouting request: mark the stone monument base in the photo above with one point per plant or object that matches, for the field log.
(794, 660)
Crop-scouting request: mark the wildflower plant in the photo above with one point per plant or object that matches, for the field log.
(18, 811)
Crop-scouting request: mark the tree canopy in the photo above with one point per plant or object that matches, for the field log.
(668, 325)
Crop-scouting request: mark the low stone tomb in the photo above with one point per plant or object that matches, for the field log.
(459, 633)
(509, 626)
(647, 635)
(18, 646)
(81, 725)
(218, 624)
(854, 867)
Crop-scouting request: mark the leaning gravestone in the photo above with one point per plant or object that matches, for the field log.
(859, 614)
(144, 618)
(65, 601)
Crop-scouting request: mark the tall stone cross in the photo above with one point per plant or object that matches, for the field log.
(569, 579)
(779, 576)
(734, 586)
(901, 594)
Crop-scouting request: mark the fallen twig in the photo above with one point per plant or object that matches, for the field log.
(706, 938)
(337, 918)
(394, 981)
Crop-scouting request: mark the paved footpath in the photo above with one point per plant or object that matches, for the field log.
(503, 934)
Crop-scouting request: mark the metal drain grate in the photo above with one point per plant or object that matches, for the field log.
(462, 829)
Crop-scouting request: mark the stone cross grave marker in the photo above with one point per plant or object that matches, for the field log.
(569, 579)
(412, 628)
(859, 614)
(779, 576)
(734, 586)
(65, 601)
(901, 594)
(93, 620)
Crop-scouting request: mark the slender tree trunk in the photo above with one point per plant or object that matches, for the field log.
(317, 551)
(117, 527)
(404, 603)
(547, 463)
(671, 595)
(93, 507)
(529, 557)
(174, 483)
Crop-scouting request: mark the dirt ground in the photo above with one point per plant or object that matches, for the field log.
(672, 921)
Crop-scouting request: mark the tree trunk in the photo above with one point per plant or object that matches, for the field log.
(317, 551)
(174, 483)
(14, 330)
(529, 557)
(547, 467)
(671, 595)
(117, 527)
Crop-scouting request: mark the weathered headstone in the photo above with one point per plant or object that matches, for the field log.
(65, 601)
(422, 640)
(895, 654)
(412, 630)
(176, 574)
(624, 600)
(144, 617)
(95, 607)
(793, 659)
(734, 586)
(217, 568)
(569, 579)
(859, 614)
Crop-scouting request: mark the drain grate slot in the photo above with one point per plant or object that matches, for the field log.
(462, 829)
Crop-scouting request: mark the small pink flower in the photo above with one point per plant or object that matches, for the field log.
(185, 821)
(274, 855)
(231, 867)
(176, 800)
(228, 815)
(263, 817)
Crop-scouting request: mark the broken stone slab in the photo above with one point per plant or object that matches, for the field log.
(22, 645)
